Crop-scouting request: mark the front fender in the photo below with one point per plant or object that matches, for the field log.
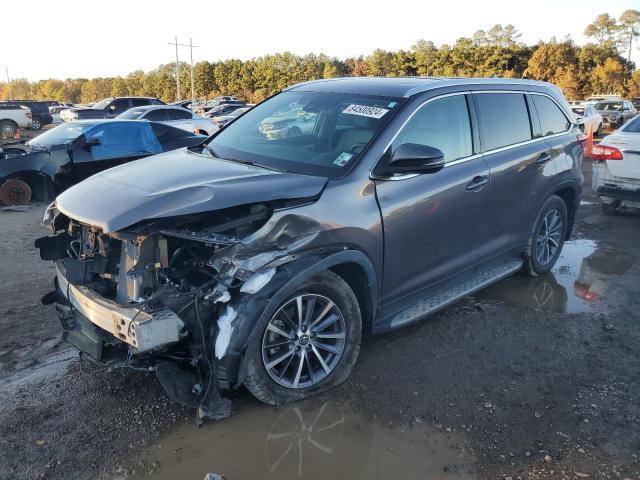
(252, 309)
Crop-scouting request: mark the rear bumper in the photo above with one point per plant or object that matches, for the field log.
(619, 188)
(619, 193)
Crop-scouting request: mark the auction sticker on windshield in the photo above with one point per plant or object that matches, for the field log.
(365, 111)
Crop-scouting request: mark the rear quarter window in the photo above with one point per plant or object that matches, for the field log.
(504, 119)
(552, 119)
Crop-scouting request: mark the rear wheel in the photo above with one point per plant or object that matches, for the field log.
(15, 192)
(36, 124)
(310, 344)
(546, 238)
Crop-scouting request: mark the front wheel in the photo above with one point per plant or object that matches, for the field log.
(36, 124)
(8, 127)
(546, 238)
(309, 345)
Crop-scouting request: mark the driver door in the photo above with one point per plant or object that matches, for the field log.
(432, 221)
(110, 144)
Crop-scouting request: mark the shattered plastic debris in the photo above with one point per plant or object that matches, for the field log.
(257, 281)
(223, 298)
(224, 331)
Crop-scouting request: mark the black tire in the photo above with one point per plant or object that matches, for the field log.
(36, 124)
(533, 264)
(8, 127)
(260, 383)
(610, 209)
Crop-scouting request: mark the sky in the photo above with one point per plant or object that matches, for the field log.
(89, 38)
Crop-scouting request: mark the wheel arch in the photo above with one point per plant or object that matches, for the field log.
(41, 185)
(570, 196)
(353, 266)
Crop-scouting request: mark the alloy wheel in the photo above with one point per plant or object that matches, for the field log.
(304, 341)
(549, 237)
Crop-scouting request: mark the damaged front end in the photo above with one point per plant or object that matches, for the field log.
(178, 295)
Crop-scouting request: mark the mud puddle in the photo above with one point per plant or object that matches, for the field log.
(579, 281)
(305, 440)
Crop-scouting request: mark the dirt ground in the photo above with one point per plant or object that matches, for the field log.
(533, 378)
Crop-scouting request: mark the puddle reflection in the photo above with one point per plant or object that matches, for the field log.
(577, 282)
(303, 441)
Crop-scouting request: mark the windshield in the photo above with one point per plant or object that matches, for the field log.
(133, 114)
(61, 135)
(102, 104)
(306, 132)
(578, 110)
(238, 112)
(609, 106)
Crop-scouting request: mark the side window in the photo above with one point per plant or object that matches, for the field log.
(552, 119)
(158, 115)
(140, 102)
(443, 124)
(119, 105)
(504, 119)
(122, 139)
(175, 114)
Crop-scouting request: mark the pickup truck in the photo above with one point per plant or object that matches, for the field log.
(13, 117)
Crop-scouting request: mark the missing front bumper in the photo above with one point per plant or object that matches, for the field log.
(141, 330)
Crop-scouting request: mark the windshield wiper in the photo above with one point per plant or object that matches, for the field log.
(256, 164)
(203, 146)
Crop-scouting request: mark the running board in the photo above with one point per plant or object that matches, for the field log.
(429, 305)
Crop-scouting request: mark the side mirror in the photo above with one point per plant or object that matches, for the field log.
(416, 158)
(91, 142)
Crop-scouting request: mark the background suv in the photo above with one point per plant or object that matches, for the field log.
(40, 115)
(262, 260)
(107, 108)
(13, 117)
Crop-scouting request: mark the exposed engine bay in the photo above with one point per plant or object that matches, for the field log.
(168, 294)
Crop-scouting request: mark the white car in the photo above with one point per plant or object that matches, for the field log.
(616, 168)
(175, 116)
(587, 116)
(13, 117)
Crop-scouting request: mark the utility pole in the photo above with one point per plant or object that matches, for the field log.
(191, 47)
(177, 68)
(6, 67)
(193, 95)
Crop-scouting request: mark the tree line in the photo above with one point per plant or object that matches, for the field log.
(601, 66)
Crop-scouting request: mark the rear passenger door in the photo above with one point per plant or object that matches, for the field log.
(180, 119)
(520, 161)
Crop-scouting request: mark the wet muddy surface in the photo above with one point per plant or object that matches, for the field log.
(579, 282)
(531, 378)
(311, 440)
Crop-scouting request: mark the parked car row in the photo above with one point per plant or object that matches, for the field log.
(40, 115)
(603, 112)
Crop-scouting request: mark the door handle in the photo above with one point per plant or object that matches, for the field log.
(544, 157)
(478, 183)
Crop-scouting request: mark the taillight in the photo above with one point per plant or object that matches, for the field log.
(604, 152)
(28, 114)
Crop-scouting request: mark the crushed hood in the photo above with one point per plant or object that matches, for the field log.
(177, 183)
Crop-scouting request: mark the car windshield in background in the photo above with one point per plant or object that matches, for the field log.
(102, 104)
(609, 106)
(132, 114)
(306, 132)
(633, 126)
(61, 135)
(578, 110)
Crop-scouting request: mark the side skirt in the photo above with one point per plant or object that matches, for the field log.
(428, 305)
